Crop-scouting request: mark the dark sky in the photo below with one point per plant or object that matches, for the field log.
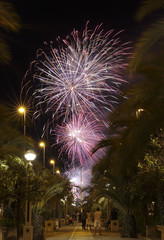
(45, 20)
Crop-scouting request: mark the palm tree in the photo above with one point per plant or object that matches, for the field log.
(129, 134)
(55, 189)
(151, 35)
(10, 22)
(118, 192)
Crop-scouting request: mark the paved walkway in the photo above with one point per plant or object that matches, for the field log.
(76, 233)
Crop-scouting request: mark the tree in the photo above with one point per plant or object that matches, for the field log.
(56, 188)
(120, 194)
(153, 165)
(18, 183)
(151, 35)
(138, 117)
(9, 22)
(133, 164)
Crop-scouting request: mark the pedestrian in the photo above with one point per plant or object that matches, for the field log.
(70, 220)
(97, 221)
(83, 219)
(79, 217)
(88, 220)
(107, 223)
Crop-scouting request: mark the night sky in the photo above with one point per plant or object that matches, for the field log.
(45, 20)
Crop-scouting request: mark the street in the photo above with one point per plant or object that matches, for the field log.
(76, 233)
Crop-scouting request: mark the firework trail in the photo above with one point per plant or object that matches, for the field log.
(82, 75)
(78, 137)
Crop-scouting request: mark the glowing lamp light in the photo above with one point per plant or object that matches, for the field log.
(42, 144)
(30, 155)
(52, 161)
(21, 110)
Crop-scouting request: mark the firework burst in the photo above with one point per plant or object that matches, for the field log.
(75, 83)
(82, 75)
(78, 137)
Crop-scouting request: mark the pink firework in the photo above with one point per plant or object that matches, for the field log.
(82, 74)
(78, 137)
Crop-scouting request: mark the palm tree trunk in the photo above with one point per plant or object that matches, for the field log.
(129, 228)
(38, 225)
(18, 216)
(160, 199)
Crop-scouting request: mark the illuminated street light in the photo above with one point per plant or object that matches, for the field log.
(30, 155)
(43, 145)
(58, 172)
(81, 190)
(22, 110)
(52, 161)
(53, 165)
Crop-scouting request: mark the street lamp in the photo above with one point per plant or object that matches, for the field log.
(81, 190)
(28, 228)
(30, 155)
(58, 172)
(43, 145)
(53, 165)
(22, 110)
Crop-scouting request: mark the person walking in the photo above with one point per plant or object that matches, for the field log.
(88, 220)
(83, 219)
(97, 221)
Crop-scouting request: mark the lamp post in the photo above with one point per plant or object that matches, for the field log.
(43, 145)
(81, 190)
(28, 228)
(22, 110)
(53, 165)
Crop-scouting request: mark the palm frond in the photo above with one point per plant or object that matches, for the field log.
(5, 54)
(146, 41)
(103, 143)
(115, 195)
(147, 7)
(9, 19)
(55, 189)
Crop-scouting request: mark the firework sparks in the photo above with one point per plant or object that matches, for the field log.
(76, 175)
(82, 75)
(78, 137)
(75, 83)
